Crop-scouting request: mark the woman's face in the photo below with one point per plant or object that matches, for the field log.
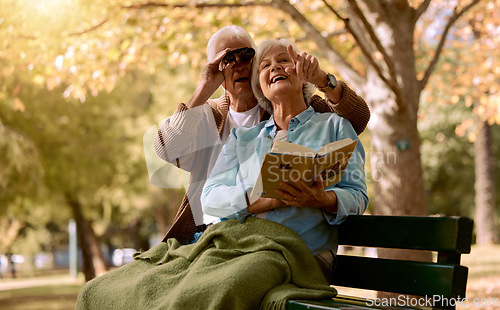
(273, 79)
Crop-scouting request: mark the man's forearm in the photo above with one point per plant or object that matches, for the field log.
(201, 94)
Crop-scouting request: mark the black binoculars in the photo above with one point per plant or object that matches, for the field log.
(245, 54)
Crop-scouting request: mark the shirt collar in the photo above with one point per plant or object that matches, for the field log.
(303, 117)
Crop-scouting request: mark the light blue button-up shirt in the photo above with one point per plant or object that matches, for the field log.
(237, 168)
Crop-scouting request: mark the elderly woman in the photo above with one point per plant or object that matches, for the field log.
(283, 87)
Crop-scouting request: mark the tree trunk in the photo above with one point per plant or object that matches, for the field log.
(486, 231)
(98, 261)
(395, 156)
(139, 242)
(160, 214)
(82, 231)
(92, 259)
(395, 166)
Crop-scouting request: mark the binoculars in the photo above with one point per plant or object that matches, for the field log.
(245, 54)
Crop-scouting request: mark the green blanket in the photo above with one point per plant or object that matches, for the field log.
(257, 264)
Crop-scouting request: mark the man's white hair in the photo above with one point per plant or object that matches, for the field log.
(307, 90)
(228, 32)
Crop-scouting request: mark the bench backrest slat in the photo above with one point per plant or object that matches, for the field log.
(447, 234)
(404, 277)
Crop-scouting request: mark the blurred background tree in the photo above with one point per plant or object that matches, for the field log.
(467, 90)
(82, 81)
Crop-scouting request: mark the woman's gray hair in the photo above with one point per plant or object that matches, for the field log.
(228, 32)
(308, 89)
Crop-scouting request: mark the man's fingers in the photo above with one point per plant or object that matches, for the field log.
(300, 185)
(218, 57)
(217, 60)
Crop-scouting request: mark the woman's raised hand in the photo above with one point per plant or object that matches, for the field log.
(306, 68)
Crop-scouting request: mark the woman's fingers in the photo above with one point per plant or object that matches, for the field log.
(292, 53)
(312, 68)
(297, 193)
(306, 66)
(286, 196)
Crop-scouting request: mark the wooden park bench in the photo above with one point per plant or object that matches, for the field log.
(441, 283)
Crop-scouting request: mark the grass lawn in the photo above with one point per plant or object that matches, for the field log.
(483, 286)
(59, 292)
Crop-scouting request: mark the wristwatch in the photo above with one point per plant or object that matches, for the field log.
(332, 83)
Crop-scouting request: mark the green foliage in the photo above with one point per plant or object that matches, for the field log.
(92, 151)
(448, 159)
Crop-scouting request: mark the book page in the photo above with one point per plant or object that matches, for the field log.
(281, 147)
(330, 147)
(333, 165)
(278, 168)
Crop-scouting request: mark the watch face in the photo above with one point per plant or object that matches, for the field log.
(332, 81)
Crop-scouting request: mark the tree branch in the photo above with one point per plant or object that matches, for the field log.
(363, 48)
(375, 40)
(193, 5)
(420, 10)
(326, 36)
(89, 29)
(347, 71)
(173, 5)
(453, 18)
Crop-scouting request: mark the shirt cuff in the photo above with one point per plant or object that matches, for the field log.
(342, 211)
(241, 213)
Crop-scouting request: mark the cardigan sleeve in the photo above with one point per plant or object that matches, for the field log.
(352, 107)
(186, 133)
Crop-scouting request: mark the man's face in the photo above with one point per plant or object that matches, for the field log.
(237, 72)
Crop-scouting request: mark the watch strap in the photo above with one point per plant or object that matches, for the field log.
(331, 83)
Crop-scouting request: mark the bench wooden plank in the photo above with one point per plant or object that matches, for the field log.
(404, 277)
(448, 234)
(340, 302)
(327, 304)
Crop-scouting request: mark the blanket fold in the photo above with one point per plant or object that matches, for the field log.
(257, 264)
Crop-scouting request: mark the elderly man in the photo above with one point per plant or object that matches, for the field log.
(192, 138)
